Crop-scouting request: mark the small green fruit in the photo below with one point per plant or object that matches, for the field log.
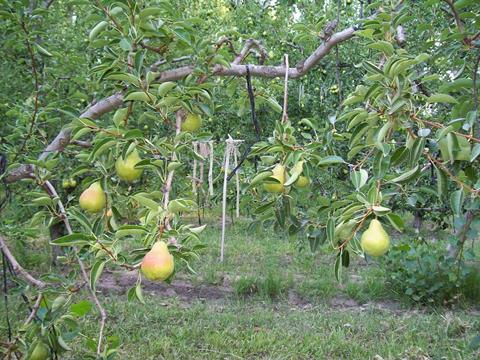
(375, 240)
(158, 264)
(126, 167)
(192, 123)
(40, 352)
(65, 183)
(93, 199)
(302, 182)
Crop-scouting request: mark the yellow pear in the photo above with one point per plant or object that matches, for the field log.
(279, 174)
(158, 265)
(40, 352)
(126, 167)
(302, 182)
(192, 123)
(375, 240)
(93, 199)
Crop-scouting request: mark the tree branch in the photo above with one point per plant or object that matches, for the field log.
(249, 45)
(114, 101)
(63, 138)
(17, 267)
(63, 217)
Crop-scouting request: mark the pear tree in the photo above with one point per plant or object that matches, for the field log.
(156, 71)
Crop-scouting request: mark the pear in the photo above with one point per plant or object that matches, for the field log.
(302, 182)
(375, 240)
(192, 123)
(93, 199)
(65, 184)
(279, 174)
(158, 265)
(40, 352)
(126, 167)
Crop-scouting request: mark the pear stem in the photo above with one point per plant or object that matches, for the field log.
(358, 227)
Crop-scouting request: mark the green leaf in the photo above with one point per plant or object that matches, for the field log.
(383, 131)
(274, 105)
(332, 159)
(260, 177)
(359, 178)
(128, 78)
(73, 240)
(475, 152)
(81, 308)
(145, 201)
(331, 230)
(63, 344)
(127, 230)
(97, 29)
(396, 221)
(140, 96)
(96, 272)
(119, 116)
(441, 98)
(456, 202)
(43, 51)
(406, 175)
(442, 182)
(337, 268)
(139, 293)
(383, 46)
(165, 88)
(381, 210)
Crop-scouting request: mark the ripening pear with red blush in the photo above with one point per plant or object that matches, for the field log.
(158, 264)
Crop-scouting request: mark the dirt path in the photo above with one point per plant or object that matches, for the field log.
(188, 292)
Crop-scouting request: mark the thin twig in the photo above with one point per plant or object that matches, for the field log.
(63, 216)
(456, 16)
(36, 306)
(441, 126)
(37, 87)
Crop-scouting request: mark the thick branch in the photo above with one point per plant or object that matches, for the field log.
(116, 100)
(17, 267)
(63, 138)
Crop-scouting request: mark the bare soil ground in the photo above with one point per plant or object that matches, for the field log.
(119, 282)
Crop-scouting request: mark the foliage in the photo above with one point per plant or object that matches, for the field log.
(427, 273)
(408, 125)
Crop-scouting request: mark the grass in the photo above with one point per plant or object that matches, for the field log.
(256, 330)
(354, 319)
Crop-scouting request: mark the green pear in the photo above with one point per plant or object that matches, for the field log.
(126, 167)
(375, 240)
(40, 352)
(93, 199)
(65, 184)
(192, 123)
(158, 264)
(279, 174)
(302, 182)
